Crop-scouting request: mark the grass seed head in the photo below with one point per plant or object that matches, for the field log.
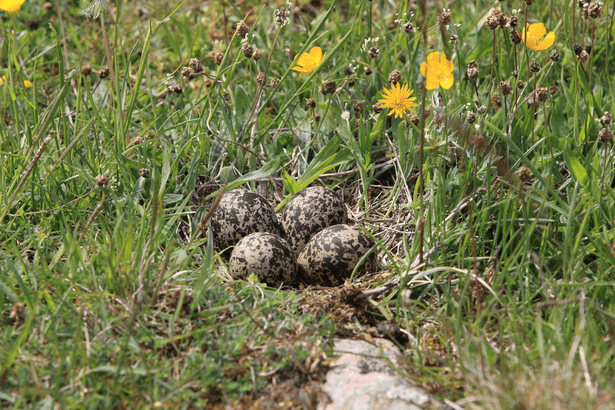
(86, 69)
(257, 54)
(542, 93)
(605, 135)
(520, 84)
(374, 52)
(515, 36)
(471, 117)
(395, 76)
(444, 18)
(535, 66)
(583, 56)
(552, 90)
(496, 101)
(242, 29)
(577, 48)
(414, 119)
(196, 65)
(505, 87)
(329, 87)
(217, 55)
(525, 174)
(261, 78)
(103, 73)
(407, 28)
(310, 103)
(247, 50)
(554, 55)
(368, 71)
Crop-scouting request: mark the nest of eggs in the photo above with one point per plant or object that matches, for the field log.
(312, 243)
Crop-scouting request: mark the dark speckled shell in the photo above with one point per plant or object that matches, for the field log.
(309, 212)
(268, 256)
(332, 254)
(239, 214)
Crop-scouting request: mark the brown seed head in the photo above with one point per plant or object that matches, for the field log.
(535, 66)
(444, 18)
(492, 22)
(595, 10)
(407, 28)
(542, 93)
(102, 180)
(496, 101)
(479, 142)
(454, 38)
(471, 117)
(144, 172)
(257, 54)
(414, 119)
(377, 108)
(577, 48)
(583, 56)
(525, 174)
(196, 65)
(529, 2)
(426, 113)
(368, 71)
(316, 117)
(374, 52)
(356, 108)
(103, 73)
(86, 69)
(515, 36)
(261, 78)
(395, 76)
(274, 82)
(505, 87)
(329, 87)
(347, 70)
(520, 85)
(606, 118)
(208, 82)
(187, 72)
(552, 90)
(47, 6)
(310, 103)
(247, 50)
(242, 29)
(554, 55)
(513, 21)
(217, 55)
(605, 134)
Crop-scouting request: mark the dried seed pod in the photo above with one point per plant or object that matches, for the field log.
(535, 66)
(577, 48)
(595, 10)
(247, 50)
(496, 101)
(395, 76)
(513, 21)
(103, 73)
(552, 90)
(407, 28)
(542, 93)
(242, 29)
(218, 56)
(606, 118)
(377, 108)
(525, 174)
(368, 71)
(444, 18)
(515, 37)
(505, 87)
(102, 180)
(261, 78)
(605, 134)
(144, 172)
(196, 65)
(347, 70)
(374, 52)
(520, 85)
(186, 72)
(329, 87)
(86, 69)
(479, 142)
(583, 56)
(310, 103)
(471, 117)
(257, 54)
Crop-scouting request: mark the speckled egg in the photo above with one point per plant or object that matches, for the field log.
(309, 212)
(239, 214)
(266, 255)
(332, 254)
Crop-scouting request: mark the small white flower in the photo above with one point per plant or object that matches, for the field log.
(346, 115)
(93, 9)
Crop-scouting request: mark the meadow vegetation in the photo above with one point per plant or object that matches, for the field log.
(473, 140)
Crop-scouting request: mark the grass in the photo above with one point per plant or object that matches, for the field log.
(495, 237)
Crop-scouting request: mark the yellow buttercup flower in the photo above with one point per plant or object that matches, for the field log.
(398, 100)
(438, 71)
(27, 84)
(10, 6)
(2, 79)
(308, 62)
(536, 37)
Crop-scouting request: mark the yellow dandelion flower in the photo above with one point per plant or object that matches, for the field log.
(27, 84)
(2, 80)
(398, 100)
(536, 38)
(438, 71)
(308, 62)
(10, 6)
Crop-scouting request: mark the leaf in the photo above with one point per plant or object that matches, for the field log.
(579, 173)
(265, 172)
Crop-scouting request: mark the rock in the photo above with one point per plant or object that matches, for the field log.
(362, 379)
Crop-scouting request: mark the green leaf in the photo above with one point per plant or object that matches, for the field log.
(265, 172)
(579, 173)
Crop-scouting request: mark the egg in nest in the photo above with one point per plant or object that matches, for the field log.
(240, 213)
(266, 255)
(332, 254)
(309, 212)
